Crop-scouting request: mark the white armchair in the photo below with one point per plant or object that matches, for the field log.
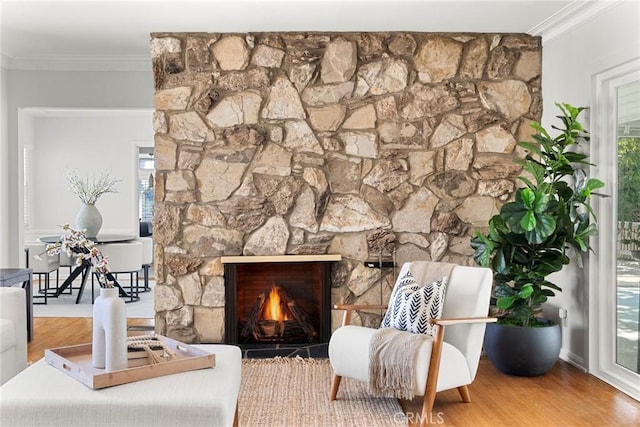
(13, 332)
(448, 360)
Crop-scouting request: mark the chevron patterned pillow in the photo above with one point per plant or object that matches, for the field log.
(411, 305)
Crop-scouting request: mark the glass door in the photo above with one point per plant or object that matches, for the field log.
(628, 242)
(614, 265)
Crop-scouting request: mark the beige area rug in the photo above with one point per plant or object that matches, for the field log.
(287, 392)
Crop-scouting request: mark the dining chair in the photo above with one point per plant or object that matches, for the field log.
(42, 265)
(123, 258)
(147, 260)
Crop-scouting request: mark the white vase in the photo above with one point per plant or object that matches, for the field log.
(109, 348)
(89, 218)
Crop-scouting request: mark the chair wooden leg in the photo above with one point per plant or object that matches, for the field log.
(334, 386)
(427, 409)
(464, 393)
(432, 377)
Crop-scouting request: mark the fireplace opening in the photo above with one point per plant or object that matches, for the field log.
(277, 302)
(277, 317)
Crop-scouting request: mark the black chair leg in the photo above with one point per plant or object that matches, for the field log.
(145, 272)
(46, 287)
(42, 293)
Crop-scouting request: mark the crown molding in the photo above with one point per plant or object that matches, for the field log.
(78, 63)
(569, 17)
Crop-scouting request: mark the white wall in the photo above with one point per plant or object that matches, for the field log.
(569, 63)
(56, 89)
(87, 141)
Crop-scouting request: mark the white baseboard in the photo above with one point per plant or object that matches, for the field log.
(573, 359)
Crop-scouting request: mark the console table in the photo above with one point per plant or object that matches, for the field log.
(42, 395)
(23, 276)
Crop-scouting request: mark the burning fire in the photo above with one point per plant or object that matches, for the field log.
(273, 310)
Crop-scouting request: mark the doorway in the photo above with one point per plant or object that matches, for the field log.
(84, 140)
(614, 296)
(628, 207)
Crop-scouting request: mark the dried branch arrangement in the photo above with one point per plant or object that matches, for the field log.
(89, 190)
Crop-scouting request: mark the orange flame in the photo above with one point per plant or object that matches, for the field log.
(272, 310)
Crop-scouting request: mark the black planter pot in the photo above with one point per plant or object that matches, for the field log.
(523, 351)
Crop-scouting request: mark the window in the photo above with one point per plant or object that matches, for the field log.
(146, 168)
(27, 160)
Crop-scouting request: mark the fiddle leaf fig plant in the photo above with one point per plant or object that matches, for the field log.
(551, 214)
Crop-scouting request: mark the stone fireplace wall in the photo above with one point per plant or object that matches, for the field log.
(368, 145)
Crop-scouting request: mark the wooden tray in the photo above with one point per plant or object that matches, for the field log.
(75, 361)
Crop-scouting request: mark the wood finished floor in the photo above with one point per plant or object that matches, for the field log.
(52, 332)
(564, 397)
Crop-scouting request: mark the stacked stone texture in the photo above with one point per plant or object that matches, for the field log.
(361, 144)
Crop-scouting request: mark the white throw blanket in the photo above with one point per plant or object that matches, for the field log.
(392, 364)
(392, 353)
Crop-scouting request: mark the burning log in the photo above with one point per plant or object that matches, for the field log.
(251, 327)
(271, 328)
(302, 319)
(292, 330)
(298, 314)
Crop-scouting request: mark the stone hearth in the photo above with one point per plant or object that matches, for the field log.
(367, 145)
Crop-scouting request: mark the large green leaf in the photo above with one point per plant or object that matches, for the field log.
(538, 127)
(538, 299)
(592, 184)
(534, 168)
(499, 263)
(528, 221)
(576, 157)
(505, 302)
(545, 226)
(528, 197)
(483, 250)
(527, 181)
(512, 213)
(550, 262)
(541, 202)
(497, 228)
(531, 146)
(526, 291)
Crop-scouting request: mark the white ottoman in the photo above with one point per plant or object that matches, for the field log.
(41, 395)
